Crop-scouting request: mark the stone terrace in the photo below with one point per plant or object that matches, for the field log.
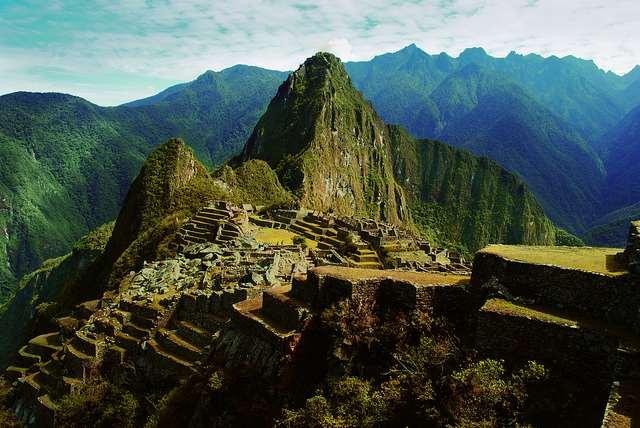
(574, 309)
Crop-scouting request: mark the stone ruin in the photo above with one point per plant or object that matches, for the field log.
(584, 323)
(632, 252)
(232, 295)
(226, 292)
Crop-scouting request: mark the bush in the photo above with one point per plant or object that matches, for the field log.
(300, 240)
(98, 403)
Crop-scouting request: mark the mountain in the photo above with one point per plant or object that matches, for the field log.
(70, 162)
(215, 112)
(575, 90)
(612, 230)
(520, 111)
(491, 116)
(456, 197)
(328, 145)
(171, 183)
(621, 151)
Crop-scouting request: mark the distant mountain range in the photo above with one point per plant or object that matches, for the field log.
(565, 127)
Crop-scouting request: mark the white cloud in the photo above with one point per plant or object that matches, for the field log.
(175, 40)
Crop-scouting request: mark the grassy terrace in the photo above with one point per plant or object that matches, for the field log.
(267, 235)
(599, 260)
(417, 278)
(556, 316)
(507, 308)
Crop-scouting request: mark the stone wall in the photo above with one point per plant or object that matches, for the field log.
(577, 351)
(613, 299)
(632, 252)
(453, 302)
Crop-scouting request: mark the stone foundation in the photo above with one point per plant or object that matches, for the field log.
(632, 252)
(613, 299)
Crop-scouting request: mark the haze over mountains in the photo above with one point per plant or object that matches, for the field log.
(568, 129)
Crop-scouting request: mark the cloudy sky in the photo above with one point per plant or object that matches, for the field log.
(112, 51)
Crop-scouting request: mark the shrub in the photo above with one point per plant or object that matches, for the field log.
(98, 403)
(300, 240)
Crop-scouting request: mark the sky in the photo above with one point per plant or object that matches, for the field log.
(114, 51)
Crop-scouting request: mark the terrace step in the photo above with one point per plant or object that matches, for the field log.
(175, 362)
(45, 344)
(366, 265)
(139, 309)
(15, 372)
(46, 401)
(134, 330)
(27, 358)
(178, 345)
(127, 341)
(288, 312)
(76, 360)
(85, 343)
(249, 316)
(194, 334)
(623, 407)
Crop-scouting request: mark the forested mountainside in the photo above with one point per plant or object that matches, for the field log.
(520, 119)
(70, 162)
(329, 146)
(621, 147)
(575, 90)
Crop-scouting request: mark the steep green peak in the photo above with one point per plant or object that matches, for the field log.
(319, 96)
(327, 144)
(318, 70)
(170, 180)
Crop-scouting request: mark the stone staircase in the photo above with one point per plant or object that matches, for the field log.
(202, 227)
(227, 232)
(265, 329)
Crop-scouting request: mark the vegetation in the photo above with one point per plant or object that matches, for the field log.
(541, 118)
(98, 403)
(603, 260)
(321, 137)
(67, 163)
(254, 182)
(566, 239)
(457, 197)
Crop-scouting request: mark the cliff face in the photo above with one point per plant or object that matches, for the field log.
(328, 145)
(460, 198)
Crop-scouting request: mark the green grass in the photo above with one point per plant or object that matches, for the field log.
(508, 308)
(591, 259)
(267, 235)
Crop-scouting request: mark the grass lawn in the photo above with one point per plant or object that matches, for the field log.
(600, 260)
(267, 235)
(417, 278)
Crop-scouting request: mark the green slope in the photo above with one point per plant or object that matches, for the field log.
(327, 144)
(621, 148)
(70, 162)
(493, 117)
(458, 198)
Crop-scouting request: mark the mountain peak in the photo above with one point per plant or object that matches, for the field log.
(321, 136)
(474, 53)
